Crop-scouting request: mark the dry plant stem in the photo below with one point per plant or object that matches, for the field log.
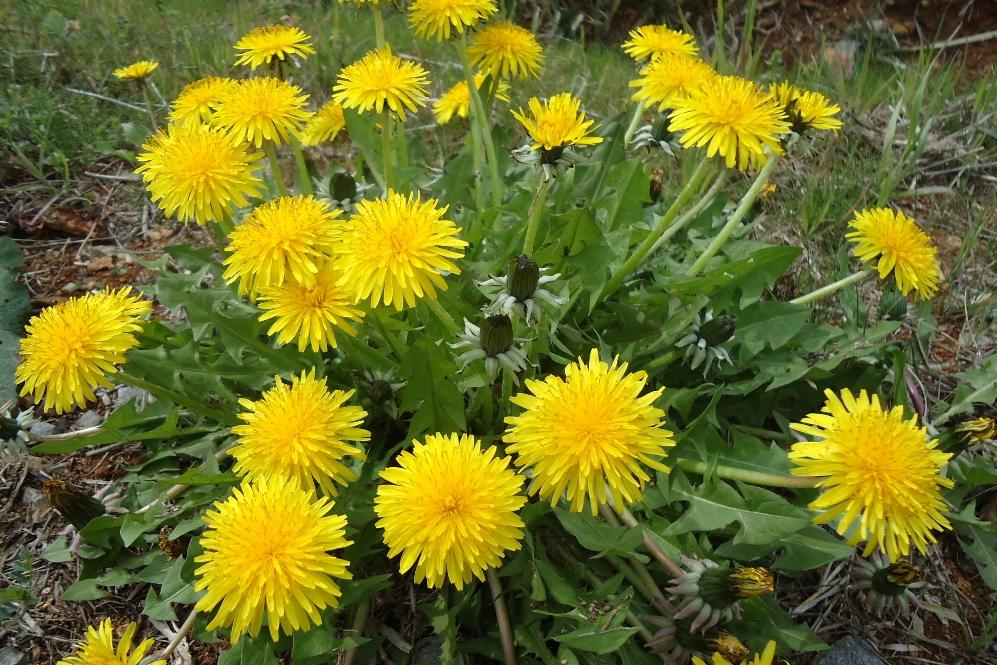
(693, 212)
(481, 120)
(167, 394)
(271, 150)
(666, 561)
(639, 254)
(747, 476)
(735, 219)
(359, 622)
(304, 180)
(505, 628)
(634, 123)
(443, 315)
(833, 287)
(188, 624)
(386, 155)
(536, 210)
(62, 436)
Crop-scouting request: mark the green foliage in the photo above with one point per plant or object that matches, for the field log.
(14, 306)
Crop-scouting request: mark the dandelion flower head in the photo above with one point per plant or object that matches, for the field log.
(198, 172)
(269, 552)
(284, 238)
(805, 108)
(649, 42)
(262, 109)
(381, 79)
(327, 122)
(397, 250)
(267, 44)
(450, 509)
(457, 102)
(70, 347)
(732, 118)
(97, 647)
(766, 657)
(300, 431)
(197, 101)
(589, 434)
(894, 243)
(438, 19)
(879, 475)
(137, 71)
(669, 78)
(506, 50)
(557, 123)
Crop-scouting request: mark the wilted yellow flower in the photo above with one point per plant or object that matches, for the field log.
(978, 430)
(732, 118)
(449, 509)
(805, 108)
(457, 102)
(588, 435)
(670, 77)
(198, 172)
(137, 71)
(900, 247)
(97, 648)
(324, 125)
(285, 238)
(300, 431)
(268, 43)
(437, 19)
(879, 475)
(764, 658)
(504, 50)
(381, 79)
(311, 314)
(557, 123)
(268, 549)
(70, 347)
(397, 249)
(261, 109)
(197, 101)
(653, 41)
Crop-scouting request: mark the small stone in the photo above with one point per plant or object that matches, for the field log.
(850, 651)
(88, 419)
(11, 656)
(42, 428)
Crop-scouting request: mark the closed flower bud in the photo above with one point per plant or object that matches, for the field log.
(75, 505)
(728, 646)
(717, 331)
(342, 186)
(895, 578)
(751, 582)
(524, 276)
(496, 335)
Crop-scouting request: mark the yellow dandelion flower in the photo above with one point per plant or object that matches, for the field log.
(268, 551)
(327, 122)
(285, 238)
(69, 348)
(198, 172)
(300, 431)
(449, 509)
(437, 19)
(557, 123)
(766, 657)
(876, 468)
(197, 101)
(261, 109)
(97, 647)
(381, 79)
(670, 77)
(504, 50)
(267, 44)
(397, 249)
(978, 430)
(805, 108)
(654, 41)
(733, 118)
(587, 435)
(900, 246)
(457, 102)
(311, 315)
(137, 71)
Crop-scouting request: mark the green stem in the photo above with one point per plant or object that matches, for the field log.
(644, 582)
(378, 25)
(389, 337)
(271, 150)
(443, 315)
(735, 219)
(359, 622)
(172, 396)
(833, 287)
(763, 433)
(304, 179)
(505, 628)
(386, 149)
(481, 119)
(536, 210)
(747, 476)
(634, 123)
(693, 212)
(688, 191)
(666, 561)
(148, 106)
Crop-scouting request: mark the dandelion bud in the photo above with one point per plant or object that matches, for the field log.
(894, 579)
(717, 331)
(75, 505)
(728, 646)
(343, 187)
(978, 430)
(524, 276)
(722, 588)
(887, 585)
(496, 335)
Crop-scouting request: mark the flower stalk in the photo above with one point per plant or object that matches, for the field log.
(735, 219)
(165, 393)
(443, 315)
(278, 175)
(634, 122)
(693, 212)
(386, 155)
(748, 476)
(505, 628)
(833, 287)
(536, 210)
(304, 180)
(378, 25)
(666, 561)
(480, 118)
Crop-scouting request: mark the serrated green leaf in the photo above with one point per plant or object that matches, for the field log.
(83, 590)
(431, 394)
(594, 534)
(591, 639)
(739, 282)
(249, 652)
(769, 324)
